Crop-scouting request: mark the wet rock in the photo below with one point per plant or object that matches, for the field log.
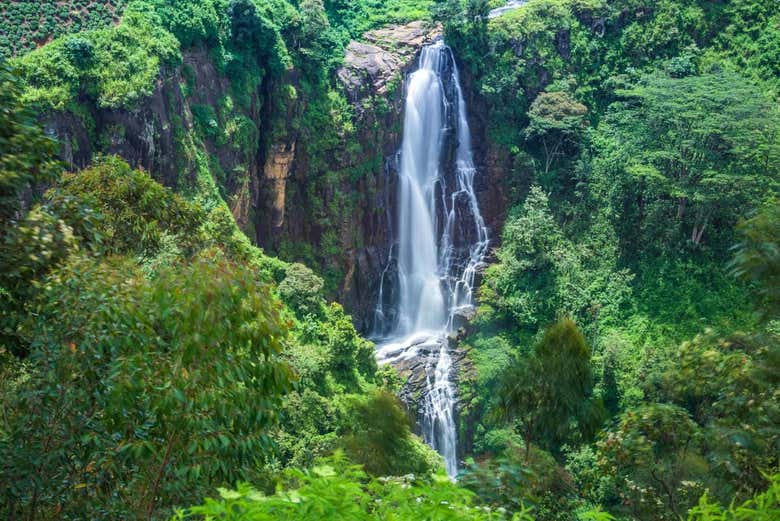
(462, 316)
(415, 360)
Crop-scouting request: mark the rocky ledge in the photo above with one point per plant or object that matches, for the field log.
(372, 66)
(415, 358)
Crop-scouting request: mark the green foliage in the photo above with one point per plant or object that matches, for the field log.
(191, 21)
(31, 248)
(337, 490)
(727, 387)
(145, 391)
(556, 120)
(124, 64)
(654, 456)
(762, 507)
(350, 354)
(26, 154)
(757, 256)
(29, 245)
(357, 17)
(516, 480)
(205, 119)
(322, 44)
(694, 150)
(593, 232)
(253, 31)
(540, 272)
(136, 211)
(301, 289)
(549, 388)
(381, 440)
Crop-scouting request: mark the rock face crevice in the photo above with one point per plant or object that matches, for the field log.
(276, 171)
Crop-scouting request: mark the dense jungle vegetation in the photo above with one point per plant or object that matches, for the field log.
(624, 361)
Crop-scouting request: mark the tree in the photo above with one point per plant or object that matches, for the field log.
(757, 256)
(548, 389)
(191, 21)
(28, 251)
(301, 289)
(523, 283)
(556, 120)
(515, 480)
(380, 438)
(144, 392)
(728, 385)
(542, 272)
(318, 42)
(687, 154)
(350, 354)
(31, 244)
(27, 156)
(654, 455)
(135, 211)
(253, 33)
(80, 51)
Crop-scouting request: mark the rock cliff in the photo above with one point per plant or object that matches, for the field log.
(358, 175)
(325, 199)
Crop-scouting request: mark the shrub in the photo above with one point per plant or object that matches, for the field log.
(337, 490)
(143, 392)
(136, 210)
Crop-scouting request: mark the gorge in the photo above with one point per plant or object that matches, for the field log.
(455, 260)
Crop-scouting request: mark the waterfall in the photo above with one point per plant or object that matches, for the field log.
(440, 245)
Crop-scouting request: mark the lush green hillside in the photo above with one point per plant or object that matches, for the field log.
(623, 361)
(642, 133)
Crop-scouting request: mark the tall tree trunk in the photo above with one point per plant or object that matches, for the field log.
(681, 203)
(698, 234)
(158, 478)
(698, 228)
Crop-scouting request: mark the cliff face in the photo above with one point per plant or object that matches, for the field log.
(347, 211)
(317, 195)
(162, 134)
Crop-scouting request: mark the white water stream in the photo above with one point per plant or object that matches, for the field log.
(511, 5)
(441, 241)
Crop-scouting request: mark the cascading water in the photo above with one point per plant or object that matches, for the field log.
(441, 241)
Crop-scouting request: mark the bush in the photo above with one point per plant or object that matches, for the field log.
(136, 211)
(122, 67)
(27, 156)
(337, 490)
(143, 393)
(381, 440)
(654, 454)
(762, 507)
(301, 289)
